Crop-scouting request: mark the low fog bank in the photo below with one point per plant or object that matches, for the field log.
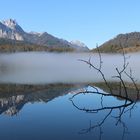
(43, 68)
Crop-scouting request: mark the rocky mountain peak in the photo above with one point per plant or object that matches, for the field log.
(78, 43)
(36, 33)
(11, 23)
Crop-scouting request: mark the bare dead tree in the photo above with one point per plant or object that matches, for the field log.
(121, 71)
(133, 81)
(98, 69)
(128, 105)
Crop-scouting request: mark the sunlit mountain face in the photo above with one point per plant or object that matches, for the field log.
(10, 29)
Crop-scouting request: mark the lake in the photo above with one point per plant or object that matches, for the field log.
(44, 96)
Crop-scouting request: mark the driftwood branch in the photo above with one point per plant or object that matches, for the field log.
(128, 104)
(98, 69)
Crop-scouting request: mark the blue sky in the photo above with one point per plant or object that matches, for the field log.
(90, 21)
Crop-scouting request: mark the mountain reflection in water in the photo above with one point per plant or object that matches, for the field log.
(52, 114)
(14, 97)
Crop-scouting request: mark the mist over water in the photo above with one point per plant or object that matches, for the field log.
(45, 68)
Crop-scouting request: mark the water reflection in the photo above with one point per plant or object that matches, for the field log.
(53, 113)
(14, 97)
(116, 110)
(11, 105)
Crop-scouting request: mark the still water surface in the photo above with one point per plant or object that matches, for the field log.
(48, 113)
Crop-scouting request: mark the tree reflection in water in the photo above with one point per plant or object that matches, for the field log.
(127, 106)
(122, 94)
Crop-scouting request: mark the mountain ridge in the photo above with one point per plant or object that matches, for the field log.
(10, 29)
(130, 42)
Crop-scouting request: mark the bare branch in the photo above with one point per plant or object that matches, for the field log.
(122, 85)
